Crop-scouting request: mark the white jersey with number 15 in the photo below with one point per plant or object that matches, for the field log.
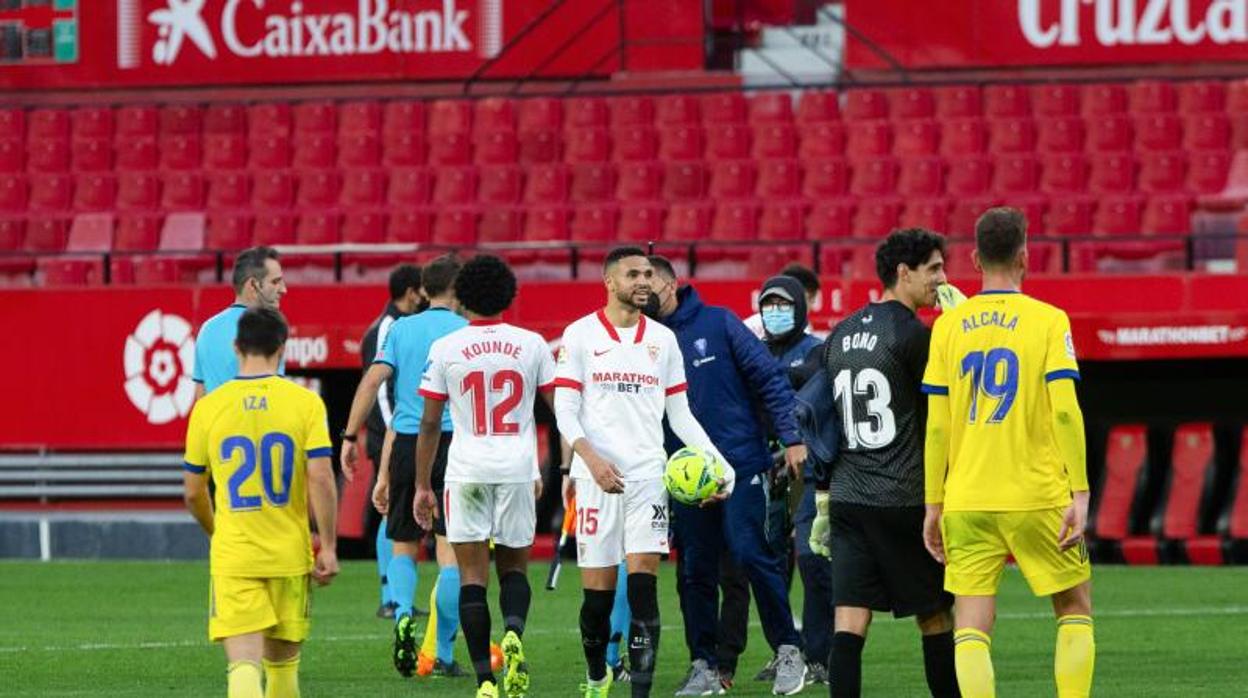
(490, 374)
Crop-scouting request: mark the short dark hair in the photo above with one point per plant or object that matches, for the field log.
(909, 246)
(438, 276)
(804, 274)
(403, 277)
(620, 253)
(662, 266)
(250, 264)
(261, 332)
(485, 285)
(1000, 234)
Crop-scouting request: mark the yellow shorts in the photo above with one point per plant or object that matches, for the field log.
(277, 606)
(977, 545)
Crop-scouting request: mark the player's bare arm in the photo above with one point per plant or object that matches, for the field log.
(381, 491)
(425, 504)
(361, 405)
(603, 471)
(936, 464)
(323, 496)
(1072, 443)
(198, 501)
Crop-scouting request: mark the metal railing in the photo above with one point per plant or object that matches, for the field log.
(90, 476)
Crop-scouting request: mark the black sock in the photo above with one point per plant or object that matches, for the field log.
(596, 630)
(942, 676)
(474, 618)
(643, 632)
(514, 596)
(845, 665)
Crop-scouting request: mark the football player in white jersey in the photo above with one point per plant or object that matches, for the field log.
(490, 372)
(617, 375)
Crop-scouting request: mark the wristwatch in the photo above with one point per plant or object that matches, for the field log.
(349, 438)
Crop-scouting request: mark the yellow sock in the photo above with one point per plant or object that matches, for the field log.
(429, 646)
(1075, 657)
(244, 680)
(972, 652)
(281, 679)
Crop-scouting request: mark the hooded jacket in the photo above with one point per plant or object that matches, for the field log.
(796, 350)
(729, 371)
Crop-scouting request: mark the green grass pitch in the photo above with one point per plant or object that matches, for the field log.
(138, 629)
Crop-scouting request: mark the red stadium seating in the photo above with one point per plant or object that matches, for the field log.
(454, 186)
(450, 116)
(916, 137)
(771, 107)
(779, 180)
(1056, 100)
(819, 106)
(360, 117)
(546, 224)
(592, 182)
(267, 119)
(92, 154)
(959, 102)
(1152, 96)
(724, 107)
(681, 110)
(868, 139)
(1110, 133)
(1007, 101)
(181, 120)
(1233, 522)
(1104, 99)
(586, 112)
(861, 105)
(775, 141)
(1012, 135)
(732, 180)
(1187, 496)
(962, 137)
(633, 143)
(641, 222)
(1118, 516)
(822, 140)
(632, 110)
(912, 103)
(922, 177)
(1060, 135)
(825, 179)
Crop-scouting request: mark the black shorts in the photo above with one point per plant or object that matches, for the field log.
(879, 561)
(401, 521)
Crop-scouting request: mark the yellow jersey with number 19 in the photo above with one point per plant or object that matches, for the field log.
(254, 437)
(994, 356)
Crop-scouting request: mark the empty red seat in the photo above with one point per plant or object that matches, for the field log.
(829, 219)
(12, 154)
(588, 145)
(48, 123)
(964, 212)
(1112, 173)
(1207, 170)
(825, 179)
(1056, 100)
(409, 187)
(500, 185)
(592, 182)
(822, 140)
(548, 184)
(1102, 99)
(455, 227)
(735, 221)
(181, 120)
(137, 153)
(274, 228)
(1167, 215)
(969, 176)
(1064, 174)
(13, 122)
(634, 143)
(681, 143)
(1016, 174)
(13, 193)
(266, 119)
(138, 232)
(593, 224)
(1206, 132)
(1199, 96)
(409, 225)
(1162, 173)
(454, 186)
(932, 214)
(779, 179)
(318, 228)
(545, 223)
(61, 271)
(678, 110)
(586, 112)
(962, 137)
(224, 151)
(1069, 216)
(540, 146)
(500, 225)
(912, 103)
(269, 151)
(1060, 135)
(494, 114)
(182, 191)
(959, 102)
(403, 149)
(88, 122)
(1233, 523)
(728, 141)
(402, 116)
(452, 148)
(1152, 96)
(868, 139)
(272, 190)
(770, 108)
(50, 192)
(687, 221)
(1118, 215)
(359, 117)
(92, 154)
(137, 120)
(1158, 132)
(138, 191)
(314, 149)
(1007, 101)
(876, 217)
(684, 180)
(225, 118)
(864, 104)
(47, 155)
(876, 177)
(497, 147)
(363, 187)
(921, 177)
(641, 222)
(632, 110)
(364, 226)
(359, 149)
(315, 117)
(95, 192)
(782, 221)
(317, 189)
(1110, 133)
(46, 234)
(724, 108)
(1012, 135)
(775, 141)
(227, 231)
(916, 137)
(181, 152)
(732, 179)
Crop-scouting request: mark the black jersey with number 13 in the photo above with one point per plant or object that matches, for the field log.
(875, 360)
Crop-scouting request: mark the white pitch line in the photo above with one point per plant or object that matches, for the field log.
(383, 638)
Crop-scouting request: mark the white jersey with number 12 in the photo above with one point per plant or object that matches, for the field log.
(490, 374)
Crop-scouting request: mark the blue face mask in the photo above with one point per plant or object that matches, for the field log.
(778, 321)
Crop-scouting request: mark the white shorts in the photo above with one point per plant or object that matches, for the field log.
(477, 512)
(610, 526)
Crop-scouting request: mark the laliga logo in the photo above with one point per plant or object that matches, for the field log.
(181, 20)
(158, 360)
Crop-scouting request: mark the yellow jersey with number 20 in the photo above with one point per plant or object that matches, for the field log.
(254, 436)
(994, 356)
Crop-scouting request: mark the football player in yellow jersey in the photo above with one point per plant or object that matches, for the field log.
(265, 443)
(1006, 470)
